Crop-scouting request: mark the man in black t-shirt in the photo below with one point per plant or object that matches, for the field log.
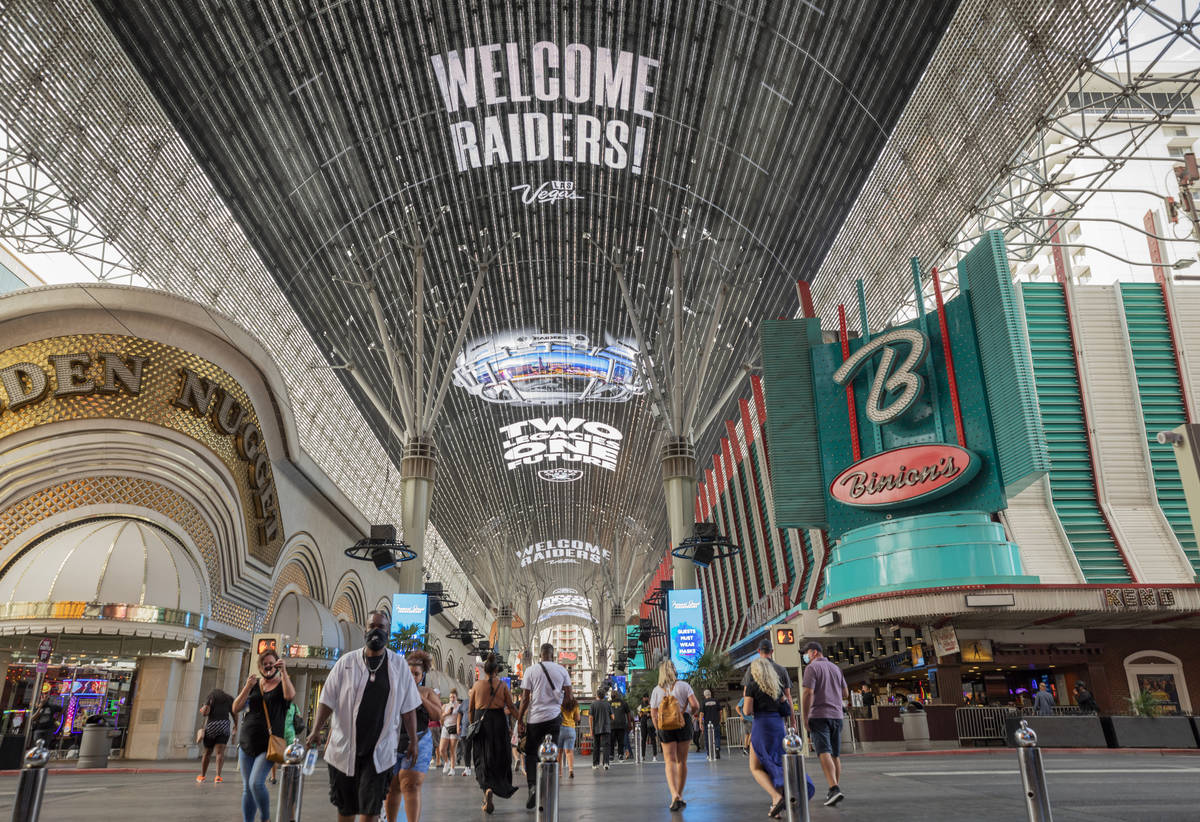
(711, 709)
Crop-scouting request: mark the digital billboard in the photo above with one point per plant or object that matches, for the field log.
(409, 610)
(685, 618)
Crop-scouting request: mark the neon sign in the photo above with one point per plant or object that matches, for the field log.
(904, 476)
(886, 379)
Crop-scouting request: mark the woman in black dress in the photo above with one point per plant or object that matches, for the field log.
(491, 704)
(218, 726)
(271, 691)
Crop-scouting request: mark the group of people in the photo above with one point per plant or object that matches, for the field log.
(380, 713)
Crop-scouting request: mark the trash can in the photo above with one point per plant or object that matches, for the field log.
(915, 726)
(95, 746)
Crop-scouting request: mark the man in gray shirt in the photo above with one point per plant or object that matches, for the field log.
(1043, 701)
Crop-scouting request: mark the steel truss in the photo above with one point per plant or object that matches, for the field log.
(36, 216)
(1121, 98)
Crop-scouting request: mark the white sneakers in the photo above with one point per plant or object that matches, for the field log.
(466, 772)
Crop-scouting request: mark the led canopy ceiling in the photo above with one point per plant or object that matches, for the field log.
(564, 173)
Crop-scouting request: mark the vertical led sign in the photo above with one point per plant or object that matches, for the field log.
(685, 616)
(409, 610)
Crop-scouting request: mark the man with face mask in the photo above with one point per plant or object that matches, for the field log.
(368, 694)
(822, 690)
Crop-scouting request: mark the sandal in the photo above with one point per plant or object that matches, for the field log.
(487, 804)
(776, 809)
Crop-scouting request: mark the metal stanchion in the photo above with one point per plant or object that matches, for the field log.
(795, 780)
(28, 804)
(711, 741)
(291, 783)
(547, 782)
(637, 744)
(1033, 775)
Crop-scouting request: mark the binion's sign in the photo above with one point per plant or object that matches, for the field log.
(905, 476)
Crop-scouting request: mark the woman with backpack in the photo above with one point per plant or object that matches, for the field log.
(673, 703)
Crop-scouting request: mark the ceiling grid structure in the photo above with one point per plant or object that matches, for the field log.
(324, 129)
(1000, 67)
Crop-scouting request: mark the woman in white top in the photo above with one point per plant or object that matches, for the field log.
(450, 732)
(675, 740)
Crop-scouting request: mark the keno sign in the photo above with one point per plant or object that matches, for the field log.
(905, 476)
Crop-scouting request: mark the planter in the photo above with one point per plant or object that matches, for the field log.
(1082, 731)
(1153, 731)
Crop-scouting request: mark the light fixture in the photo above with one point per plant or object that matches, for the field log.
(381, 548)
(705, 545)
(1182, 263)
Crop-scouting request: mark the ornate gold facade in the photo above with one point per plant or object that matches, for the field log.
(161, 380)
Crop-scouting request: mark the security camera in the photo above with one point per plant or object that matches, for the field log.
(1165, 437)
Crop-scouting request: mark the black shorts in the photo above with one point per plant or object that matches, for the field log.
(683, 734)
(362, 793)
(211, 742)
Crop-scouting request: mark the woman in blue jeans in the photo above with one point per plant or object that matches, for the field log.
(266, 697)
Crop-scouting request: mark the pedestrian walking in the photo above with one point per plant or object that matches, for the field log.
(648, 733)
(217, 711)
(673, 703)
(1084, 699)
(601, 715)
(762, 697)
(566, 735)
(711, 709)
(543, 689)
(266, 696)
(367, 697)
(449, 743)
(410, 771)
(1043, 701)
(490, 706)
(45, 722)
(823, 689)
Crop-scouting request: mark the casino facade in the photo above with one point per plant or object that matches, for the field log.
(157, 514)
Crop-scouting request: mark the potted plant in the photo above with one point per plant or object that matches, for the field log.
(1148, 727)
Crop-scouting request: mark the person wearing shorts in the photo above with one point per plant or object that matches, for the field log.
(566, 735)
(218, 727)
(410, 772)
(824, 688)
(449, 743)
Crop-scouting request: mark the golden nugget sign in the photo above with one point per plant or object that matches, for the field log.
(116, 377)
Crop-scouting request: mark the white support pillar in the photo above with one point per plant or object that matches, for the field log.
(504, 632)
(417, 473)
(231, 678)
(679, 488)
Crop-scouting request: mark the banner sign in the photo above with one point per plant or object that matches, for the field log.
(685, 620)
(945, 641)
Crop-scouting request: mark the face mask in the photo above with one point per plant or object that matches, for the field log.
(807, 658)
(376, 639)
(271, 674)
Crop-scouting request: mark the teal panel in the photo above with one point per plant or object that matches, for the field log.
(920, 552)
(1161, 392)
(1072, 482)
(1006, 363)
(983, 493)
(794, 460)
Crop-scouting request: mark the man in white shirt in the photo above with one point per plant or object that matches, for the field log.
(368, 694)
(543, 689)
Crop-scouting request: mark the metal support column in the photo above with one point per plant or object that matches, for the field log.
(547, 782)
(711, 741)
(1033, 775)
(27, 806)
(795, 780)
(291, 784)
(679, 488)
(417, 470)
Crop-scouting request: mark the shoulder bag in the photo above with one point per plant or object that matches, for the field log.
(549, 679)
(473, 727)
(275, 744)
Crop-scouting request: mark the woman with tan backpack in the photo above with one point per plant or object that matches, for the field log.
(672, 705)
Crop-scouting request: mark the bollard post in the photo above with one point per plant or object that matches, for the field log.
(1033, 775)
(32, 785)
(547, 782)
(795, 780)
(291, 783)
(637, 744)
(711, 741)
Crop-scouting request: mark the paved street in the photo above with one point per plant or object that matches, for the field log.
(1095, 787)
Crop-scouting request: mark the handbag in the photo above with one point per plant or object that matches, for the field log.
(473, 727)
(275, 744)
